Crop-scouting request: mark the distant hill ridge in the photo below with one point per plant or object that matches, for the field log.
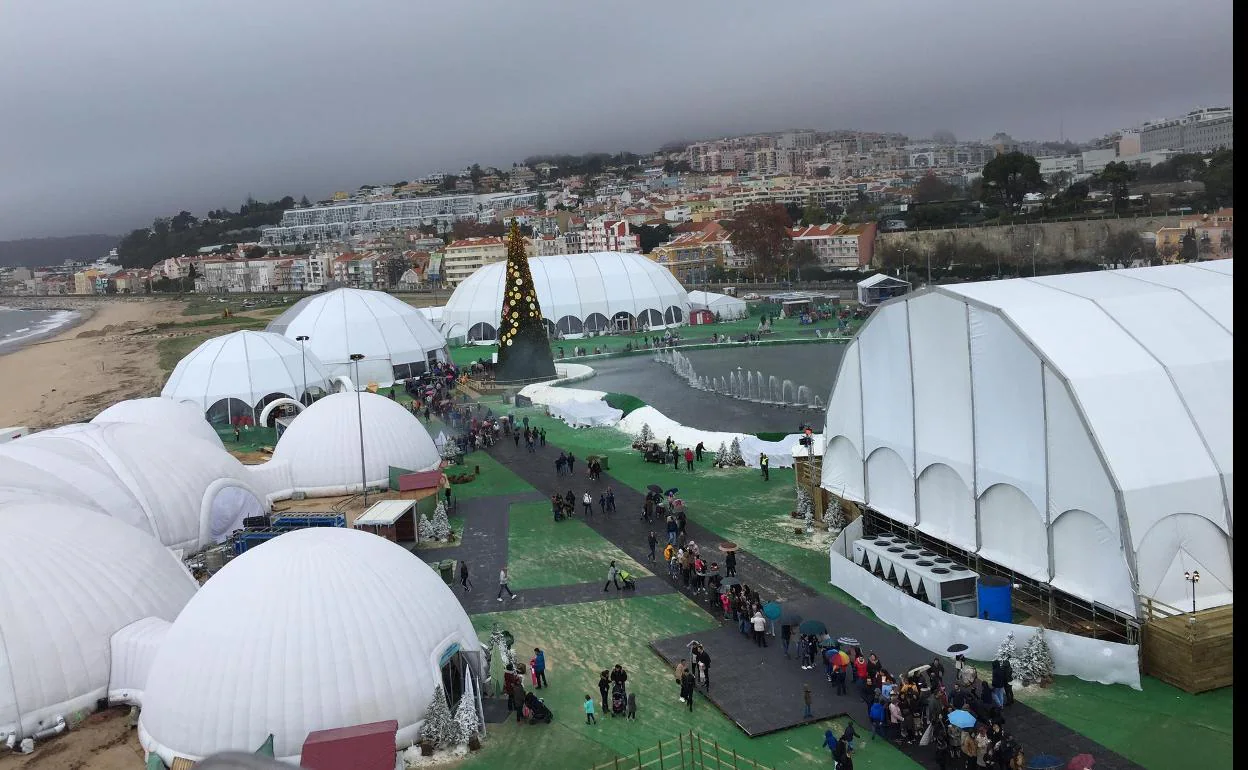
(32, 252)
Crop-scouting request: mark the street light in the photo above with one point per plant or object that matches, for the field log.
(355, 362)
(1192, 577)
(303, 359)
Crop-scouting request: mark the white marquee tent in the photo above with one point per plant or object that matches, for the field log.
(164, 413)
(321, 448)
(69, 579)
(238, 374)
(1075, 429)
(578, 293)
(396, 339)
(724, 307)
(350, 628)
(188, 494)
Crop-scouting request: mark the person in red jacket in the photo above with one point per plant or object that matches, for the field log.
(688, 459)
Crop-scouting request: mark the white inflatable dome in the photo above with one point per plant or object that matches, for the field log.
(70, 579)
(321, 447)
(396, 340)
(578, 294)
(349, 628)
(238, 374)
(25, 481)
(188, 494)
(164, 413)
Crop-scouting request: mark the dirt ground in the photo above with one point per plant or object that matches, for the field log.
(104, 741)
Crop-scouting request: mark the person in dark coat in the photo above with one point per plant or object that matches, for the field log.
(730, 564)
(686, 689)
(604, 685)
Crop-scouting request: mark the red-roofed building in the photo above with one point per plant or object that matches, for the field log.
(837, 246)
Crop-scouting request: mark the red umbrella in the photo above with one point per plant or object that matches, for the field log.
(1081, 762)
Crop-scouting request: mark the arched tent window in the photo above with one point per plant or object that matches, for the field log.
(623, 321)
(311, 394)
(596, 322)
(482, 332)
(229, 411)
(673, 315)
(570, 324)
(650, 317)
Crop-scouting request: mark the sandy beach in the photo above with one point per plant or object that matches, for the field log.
(74, 375)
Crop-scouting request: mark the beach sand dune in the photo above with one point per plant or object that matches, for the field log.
(75, 375)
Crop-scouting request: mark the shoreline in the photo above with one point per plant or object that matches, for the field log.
(106, 354)
(76, 318)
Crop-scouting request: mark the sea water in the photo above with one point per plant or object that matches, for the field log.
(18, 327)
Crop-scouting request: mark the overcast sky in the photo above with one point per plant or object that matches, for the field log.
(112, 113)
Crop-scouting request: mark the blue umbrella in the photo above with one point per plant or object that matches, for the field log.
(671, 491)
(813, 627)
(790, 618)
(772, 610)
(962, 718)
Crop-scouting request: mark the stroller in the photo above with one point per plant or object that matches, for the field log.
(618, 699)
(630, 582)
(536, 710)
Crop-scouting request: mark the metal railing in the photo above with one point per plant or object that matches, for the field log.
(688, 751)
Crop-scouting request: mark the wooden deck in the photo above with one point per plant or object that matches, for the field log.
(1194, 652)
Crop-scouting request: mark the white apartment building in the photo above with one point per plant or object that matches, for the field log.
(545, 246)
(1202, 130)
(328, 223)
(836, 246)
(609, 235)
(463, 257)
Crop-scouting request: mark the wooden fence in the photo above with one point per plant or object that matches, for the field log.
(689, 751)
(1192, 651)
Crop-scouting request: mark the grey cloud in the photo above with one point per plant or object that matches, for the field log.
(113, 113)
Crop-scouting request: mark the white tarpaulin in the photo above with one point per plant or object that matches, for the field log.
(1094, 660)
(1076, 429)
(585, 414)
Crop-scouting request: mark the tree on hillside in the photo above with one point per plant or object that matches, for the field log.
(813, 215)
(540, 202)
(467, 229)
(304, 202)
(932, 188)
(649, 236)
(1219, 179)
(1117, 177)
(1122, 248)
(804, 257)
(761, 230)
(1189, 249)
(1009, 177)
(823, 172)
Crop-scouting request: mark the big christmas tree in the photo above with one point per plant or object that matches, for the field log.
(523, 347)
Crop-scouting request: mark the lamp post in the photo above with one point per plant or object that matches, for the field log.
(1192, 577)
(355, 362)
(303, 359)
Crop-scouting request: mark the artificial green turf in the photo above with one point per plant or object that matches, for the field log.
(495, 479)
(1161, 727)
(582, 639)
(542, 552)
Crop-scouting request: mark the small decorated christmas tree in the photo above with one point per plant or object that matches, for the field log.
(441, 524)
(721, 456)
(1008, 651)
(806, 509)
(834, 516)
(1037, 660)
(424, 528)
(467, 723)
(523, 345)
(439, 727)
(451, 452)
(646, 436)
(734, 453)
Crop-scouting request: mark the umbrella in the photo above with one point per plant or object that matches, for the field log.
(1044, 762)
(671, 491)
(957, 648)
(848, 641)
(840, 658)
(790, 618)
(1081, 762)
(813, 627)
(772, 610)
(962, 718)
(655, 488)
(826, 643)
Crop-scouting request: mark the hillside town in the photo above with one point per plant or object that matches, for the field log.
(697, 210)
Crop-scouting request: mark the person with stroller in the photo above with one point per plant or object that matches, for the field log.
(619, 693)
(627, 581)
(613, 577)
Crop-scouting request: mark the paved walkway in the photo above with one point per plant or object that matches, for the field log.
(1037, 733)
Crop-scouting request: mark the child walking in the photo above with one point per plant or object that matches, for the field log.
(590, 719)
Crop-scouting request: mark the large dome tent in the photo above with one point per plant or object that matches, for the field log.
(1074, 430)
(396, 339)
(163, 413)
(238, 374)
(578, 294)
(321, 448)
(350, 628)
(70, 579)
